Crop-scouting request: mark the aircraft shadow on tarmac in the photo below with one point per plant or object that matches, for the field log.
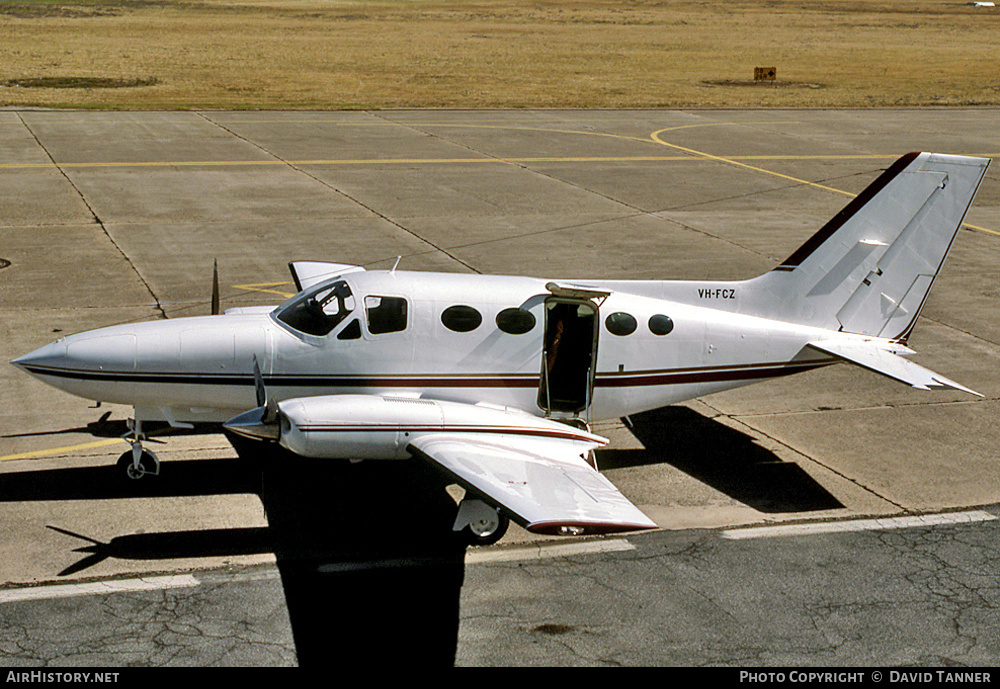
(169, 545)
(177, 478)
(105, 427)
(369, 564)
(723, 458)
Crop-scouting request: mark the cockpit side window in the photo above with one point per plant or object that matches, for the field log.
(385, 314)
(319, 311)
(351, 332)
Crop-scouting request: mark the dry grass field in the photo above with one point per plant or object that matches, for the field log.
(335, 54)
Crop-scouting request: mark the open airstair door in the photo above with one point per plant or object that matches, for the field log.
(569, 351)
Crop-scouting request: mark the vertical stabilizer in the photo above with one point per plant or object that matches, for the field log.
(869, 270)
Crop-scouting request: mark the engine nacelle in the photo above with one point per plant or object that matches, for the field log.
(382, 427)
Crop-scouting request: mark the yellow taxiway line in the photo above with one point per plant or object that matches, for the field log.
(61, 450)
(735, 161)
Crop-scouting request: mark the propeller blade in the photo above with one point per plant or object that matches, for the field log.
(267, 409)
(216, 306)
(258, 381)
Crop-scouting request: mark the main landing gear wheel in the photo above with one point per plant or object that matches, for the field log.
(479, 523)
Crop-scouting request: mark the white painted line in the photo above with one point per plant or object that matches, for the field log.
(541, 552)
(923, 520)
(99, 587)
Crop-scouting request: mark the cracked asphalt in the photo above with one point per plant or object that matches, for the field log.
(905, 597)
(915, 597)
(227, 620)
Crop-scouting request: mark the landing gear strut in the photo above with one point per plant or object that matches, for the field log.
(138, 461)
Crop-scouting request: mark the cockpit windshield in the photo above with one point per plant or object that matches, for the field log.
(318, 311)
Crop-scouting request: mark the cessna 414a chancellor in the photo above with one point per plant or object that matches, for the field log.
(495, 380)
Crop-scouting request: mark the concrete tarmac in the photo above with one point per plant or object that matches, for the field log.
(111, 217)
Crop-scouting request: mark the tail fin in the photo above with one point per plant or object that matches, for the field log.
(869, 270)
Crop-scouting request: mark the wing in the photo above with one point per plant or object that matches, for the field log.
(530, 467)
(545, 485)
(883, 357)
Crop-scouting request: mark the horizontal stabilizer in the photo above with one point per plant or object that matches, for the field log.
(882, 357)
(248, 310)
(309, 273)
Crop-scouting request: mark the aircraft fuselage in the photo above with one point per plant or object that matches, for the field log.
(463, 338)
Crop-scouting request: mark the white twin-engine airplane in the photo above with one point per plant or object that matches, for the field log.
(496, 380)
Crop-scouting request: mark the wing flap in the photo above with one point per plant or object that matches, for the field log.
(546, 485)
(878, 357)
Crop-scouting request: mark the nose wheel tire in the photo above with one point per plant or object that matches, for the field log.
(147, 465)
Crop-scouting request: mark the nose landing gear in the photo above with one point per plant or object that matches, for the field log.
(138, 462)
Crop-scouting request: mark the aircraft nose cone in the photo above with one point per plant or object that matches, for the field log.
(51, 356)
(94, 351)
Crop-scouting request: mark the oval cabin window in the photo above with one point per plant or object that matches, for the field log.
(461, 319)
(515, 321)
(620, 323)
(660, 324)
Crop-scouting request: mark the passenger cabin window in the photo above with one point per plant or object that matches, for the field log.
(660, 324)
(461, 319)
(385, 314)
(620, 323)
(319, 311)
(514, 321)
